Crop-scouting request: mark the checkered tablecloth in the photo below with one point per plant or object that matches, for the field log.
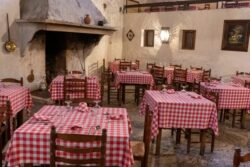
(31, 142)
(133, 77)
(93, 88)
(114, 66)
(241, 79)
(230, 96)
(191, 75)
(179, 110)
(19, 97)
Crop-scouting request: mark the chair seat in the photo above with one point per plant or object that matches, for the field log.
(138, 148)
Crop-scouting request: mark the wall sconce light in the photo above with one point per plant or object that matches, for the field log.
(165, 35)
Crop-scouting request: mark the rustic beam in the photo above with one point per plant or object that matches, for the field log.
(157, 4)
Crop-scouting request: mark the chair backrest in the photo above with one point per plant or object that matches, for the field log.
(75, 72)
(247, 84)
(120, 59)
(212, 96)
(150, 67)
(196, 87)
(73, 86)
(196, 68)
(242, 73)
(137, 62)
(95, 144)
(158, 71)
(175, 65)
(180, 75)
(147, 130)
(206, 75)
(238, 158)
(215, 78)
(124, 65)
(13, 80)
(4, 114)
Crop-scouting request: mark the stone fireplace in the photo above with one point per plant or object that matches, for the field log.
(55, 26)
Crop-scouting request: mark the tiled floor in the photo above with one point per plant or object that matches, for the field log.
(175, 155)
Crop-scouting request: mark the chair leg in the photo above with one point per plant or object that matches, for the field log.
(212, 142)
(188, 135)
(203, 142)
(221, 114)
(178, 136)
(242, 119)
(158, 142)
(233, 121)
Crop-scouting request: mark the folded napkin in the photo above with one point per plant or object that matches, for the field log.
(236, 85)
(76, 127)
(83, 107)
(41, 117)
(116, 117)
(170, 91)
(195, 96)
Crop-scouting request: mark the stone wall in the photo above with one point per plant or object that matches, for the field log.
(13, 65)
(209, 29)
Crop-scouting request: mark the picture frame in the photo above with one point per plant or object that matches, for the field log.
(235, 35)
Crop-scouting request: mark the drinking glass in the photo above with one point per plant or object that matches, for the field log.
(184, 87)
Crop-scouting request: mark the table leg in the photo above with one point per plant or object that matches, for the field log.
(123, 93)
(188, 133)
(243, 119)
(158, 142)
(203, 142)
(178, 136)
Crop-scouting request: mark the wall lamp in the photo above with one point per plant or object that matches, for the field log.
(165, 35)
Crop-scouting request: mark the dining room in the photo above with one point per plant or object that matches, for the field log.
(125, 83)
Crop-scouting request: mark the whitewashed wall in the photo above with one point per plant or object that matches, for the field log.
(209, 28)
(13, 65)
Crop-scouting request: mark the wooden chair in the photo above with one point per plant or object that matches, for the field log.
(113, 92)
(75, 72)
(206, 75)
(141, 149)
(242, 73)
(215, 78)
(180, 76)
(119, 59)
(4, 129)
(238, 158)
(195, 68)
(150, 67)
(124, 65)
(158, 75)
(75, 90)
(175, 65)
(247, 84)
(13, 80)
(213, 96)
(78, 138)
(137, 62)
(196, 87)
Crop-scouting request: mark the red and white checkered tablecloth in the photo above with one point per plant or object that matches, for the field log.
(93, 88)
(114, 66)
(133, 77)
(191, 75)
(31, 142)
(231, 96)
(179, 110)
(241, 79)
(19, 97)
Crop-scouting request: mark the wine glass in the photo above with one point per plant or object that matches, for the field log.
(96, 108)
(184, 87)
(68, 104)
(164, 88)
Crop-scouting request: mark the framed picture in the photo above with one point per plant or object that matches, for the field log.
(235, 35)
(188, 39)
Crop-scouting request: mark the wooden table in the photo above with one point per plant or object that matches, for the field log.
(123, 78)
(31, 142)
(231, 96)
(179, 110)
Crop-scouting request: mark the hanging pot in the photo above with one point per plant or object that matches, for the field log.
(87, 19)
(10, 46)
